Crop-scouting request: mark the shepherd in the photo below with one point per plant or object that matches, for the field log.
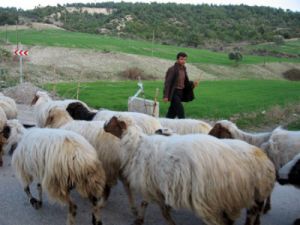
(178, 88)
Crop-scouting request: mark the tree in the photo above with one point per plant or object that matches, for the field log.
(237, 56)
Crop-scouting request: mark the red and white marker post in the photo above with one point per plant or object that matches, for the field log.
(21, 53)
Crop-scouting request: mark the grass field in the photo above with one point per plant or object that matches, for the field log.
(290, 47)
(214, 99)
(62, 38)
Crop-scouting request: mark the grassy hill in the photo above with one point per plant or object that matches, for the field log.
(63, 38)
(175, 24)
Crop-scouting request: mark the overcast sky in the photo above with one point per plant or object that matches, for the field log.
(293, 5)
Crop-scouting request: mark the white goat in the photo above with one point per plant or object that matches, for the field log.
(186, 126)
(197, 172)
(59, 161)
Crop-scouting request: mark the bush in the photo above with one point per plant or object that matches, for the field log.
(237, 56)
(278, 39)
(134, 73)
(292, 74)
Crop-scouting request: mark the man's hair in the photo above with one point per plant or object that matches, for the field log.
(181, 54)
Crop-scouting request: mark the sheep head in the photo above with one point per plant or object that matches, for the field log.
(38, 95)
(115, 126)
(290, 172)
(57, 117)
(79, 112)
(220, 131)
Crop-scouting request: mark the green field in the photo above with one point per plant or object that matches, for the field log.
(214, 99)
(68, 39)
(289, 47)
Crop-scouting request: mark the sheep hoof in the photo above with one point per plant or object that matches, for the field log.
(297, 222)
(35, 203)
(138, 222)
(94, 222)
(134, 211)
(267, 208)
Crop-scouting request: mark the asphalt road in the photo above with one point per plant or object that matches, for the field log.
(15, 209)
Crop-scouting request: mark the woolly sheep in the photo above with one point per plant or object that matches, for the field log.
(9, 106)
(290, 174)
(185, 126)
(107, 147)
(148, 123)
(197, 172)
(282, 146)
(59, 161)
(42, 103)
(227, 129)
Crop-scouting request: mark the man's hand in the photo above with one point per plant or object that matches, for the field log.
(196, 83)
(165, 99)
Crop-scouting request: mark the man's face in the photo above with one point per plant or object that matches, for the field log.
(181, 60)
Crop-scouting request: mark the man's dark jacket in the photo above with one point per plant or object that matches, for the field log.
(171, 81)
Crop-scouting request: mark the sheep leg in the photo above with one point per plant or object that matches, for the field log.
(72, 211)
(96, 218)
(40, 190)
(129, 195)
(227, 220)
(267, 207)
(33, 201)
(165, 210)
(106, 193)
(1, 160)
(141, 214)
(253, 214)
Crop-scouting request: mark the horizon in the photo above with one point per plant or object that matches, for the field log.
(292, 5)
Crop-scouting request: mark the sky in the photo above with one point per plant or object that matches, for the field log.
(293, 5)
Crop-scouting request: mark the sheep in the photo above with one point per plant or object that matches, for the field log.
(148, 123)
(197, 172)
(290, 174)
(42, 103)
(185, 126)
(107, 147)
(9, 106)
(59, 161)
(282, 146)
(227, 129)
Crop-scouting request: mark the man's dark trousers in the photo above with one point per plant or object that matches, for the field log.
(176, 107)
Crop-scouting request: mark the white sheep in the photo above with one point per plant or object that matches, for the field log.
(148, 123)
(9, 106)
(59, 161)
(282, 146)
(42, 103)
(290, 174)
(186, 126)
(197, 172)
(227, 129)
(107, 147)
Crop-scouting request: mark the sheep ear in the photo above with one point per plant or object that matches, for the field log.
(215, 131)
(49, 120)
(123, 125)
(6, 132)
(34, 100)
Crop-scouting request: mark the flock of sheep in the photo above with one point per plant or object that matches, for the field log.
(214, 172)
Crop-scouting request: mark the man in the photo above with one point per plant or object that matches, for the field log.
(178, 88)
